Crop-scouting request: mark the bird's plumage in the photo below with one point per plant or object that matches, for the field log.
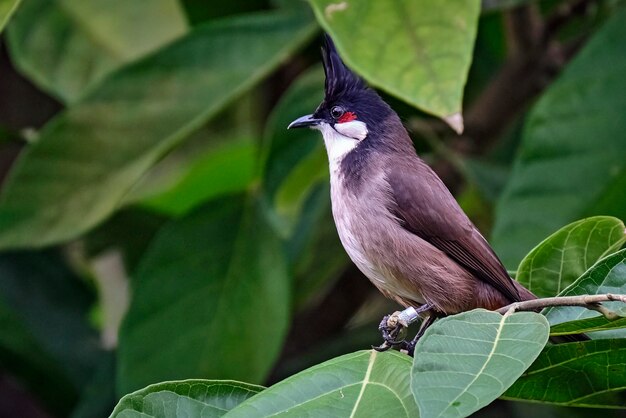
(425, 207)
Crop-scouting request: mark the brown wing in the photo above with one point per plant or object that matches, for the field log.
(425, 207)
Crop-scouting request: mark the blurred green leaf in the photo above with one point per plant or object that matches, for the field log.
(571, 161)
(210, 300)
(595, 323)
(314, 250)
(199, 11)
(130, 231)
(495, 5)
(46, 339)
(98, 395)
(53, 305)
(606, 276)
(22, 355)
(68, 46)
(293, 161)
(565, 255)
(88, 158)
(589, 374)
(361, 384)
(466, 361)
(185, 399)
(489, 177)
(295, 171)
(288, 4)
(7, 8)
(229, 167)
(420, 52)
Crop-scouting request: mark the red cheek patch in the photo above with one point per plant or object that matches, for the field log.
(347, 117)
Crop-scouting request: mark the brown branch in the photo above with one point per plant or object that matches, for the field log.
(591, 302)
(563, 14)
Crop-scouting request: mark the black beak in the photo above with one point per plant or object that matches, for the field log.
(304, 121)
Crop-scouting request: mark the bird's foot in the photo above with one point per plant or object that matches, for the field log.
(393, 332)
(393, 328)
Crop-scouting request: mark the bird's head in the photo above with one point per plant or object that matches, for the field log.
(351, 113)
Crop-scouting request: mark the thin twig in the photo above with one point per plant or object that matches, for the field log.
(586, 301)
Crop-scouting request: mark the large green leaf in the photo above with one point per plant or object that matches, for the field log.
(595, 323)
(199, 11)
(295, 180)
(293, 161)
(23, 356)
(314, 250)
(67, 46)
(210, 300)
(53, 305)
(361, 384)
(184, 399)
(466, 361)
(225, 168)
(46, 339)
(89, 157)
(98, 395)
(591, 373)
(571, 161)
(418, 51)
(565, 255)
(606, 276)
(7, 8)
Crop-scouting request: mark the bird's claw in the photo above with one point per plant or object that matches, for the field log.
(392, 333)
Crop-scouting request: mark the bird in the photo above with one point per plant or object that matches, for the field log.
(395, 217)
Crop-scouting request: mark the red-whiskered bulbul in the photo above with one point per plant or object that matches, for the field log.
(396, 219)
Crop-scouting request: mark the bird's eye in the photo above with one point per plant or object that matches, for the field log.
(336, 112)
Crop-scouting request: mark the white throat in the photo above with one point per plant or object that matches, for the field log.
(341, 139)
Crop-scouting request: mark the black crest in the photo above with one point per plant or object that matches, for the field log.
(339, 79)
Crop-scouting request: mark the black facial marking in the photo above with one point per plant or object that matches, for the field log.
(347, 91)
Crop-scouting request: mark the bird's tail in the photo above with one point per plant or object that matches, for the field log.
(526, 294)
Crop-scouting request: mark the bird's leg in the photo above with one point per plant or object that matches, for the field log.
(392, 326)
(410, 347)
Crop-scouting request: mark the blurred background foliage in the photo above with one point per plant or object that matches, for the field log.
(158, 222)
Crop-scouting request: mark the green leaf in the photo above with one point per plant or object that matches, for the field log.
(420, 52)
(295, 173)
(53, 305)
(68, 46)
(128, 231)
(92, 154)
(185, 398)
(45, 333)
(199, 11)
(588, 374)
(98, 395)
(606, 276)
(314, 250)
(571, 161)
(24, 357)
(293, 161)
(361, 384)
(229, 166)
(595, 323)
(210, 300)
(7, 8)
(565, 255)
(464, 362)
